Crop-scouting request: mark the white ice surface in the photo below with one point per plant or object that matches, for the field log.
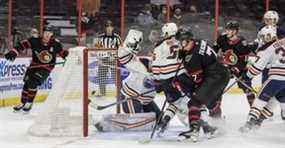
(13, 132)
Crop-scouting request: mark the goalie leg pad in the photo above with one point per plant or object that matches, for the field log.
(127, 122)
(152, 107)
(132, 106)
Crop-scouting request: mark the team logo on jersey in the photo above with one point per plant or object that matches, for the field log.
(45, 56)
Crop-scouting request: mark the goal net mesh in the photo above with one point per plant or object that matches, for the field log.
(84, 79)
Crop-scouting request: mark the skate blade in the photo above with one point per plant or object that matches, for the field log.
(212, 135)
(191, 139)
(244, 129)
(144, 141)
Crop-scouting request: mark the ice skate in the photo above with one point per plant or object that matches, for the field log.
(192, 134)
(27, 107)
(18, 107)
(209, 131)
(250, 125)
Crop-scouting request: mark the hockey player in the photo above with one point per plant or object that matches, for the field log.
(44, 52)
(210, 78)
(168, 71)
(139, 72)
(274, 86)
(185, 85)
(233, 52)
(270, 18)
(141, 109)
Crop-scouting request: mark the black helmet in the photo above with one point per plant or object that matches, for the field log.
(50, 28)
(185, 33)
(232, 25)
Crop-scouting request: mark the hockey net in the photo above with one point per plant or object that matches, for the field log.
(88, 76)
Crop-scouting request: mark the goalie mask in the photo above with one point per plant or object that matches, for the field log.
(169, 29)
(267, 34)
(271, 17)
(133, 39)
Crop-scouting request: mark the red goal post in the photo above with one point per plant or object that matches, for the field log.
(110, 54)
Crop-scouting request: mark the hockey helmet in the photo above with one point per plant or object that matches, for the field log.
(49, 28)
(271, 15)
(267, 34)
(232, 25)
(185, 33)
(169, 29)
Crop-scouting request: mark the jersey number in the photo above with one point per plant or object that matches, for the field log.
(173, 52)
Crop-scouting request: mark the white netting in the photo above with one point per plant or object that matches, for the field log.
(62, 112)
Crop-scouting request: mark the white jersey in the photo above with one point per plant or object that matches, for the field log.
(274, 55)
(166, 62)
(133, 84)
(128, 58)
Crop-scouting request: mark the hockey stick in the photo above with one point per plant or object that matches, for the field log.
(102, 107)
(144, 141)
(148, 140)
(245, 85)
(229, 87)
(44, 65)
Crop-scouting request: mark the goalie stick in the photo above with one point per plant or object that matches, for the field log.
(102, 107)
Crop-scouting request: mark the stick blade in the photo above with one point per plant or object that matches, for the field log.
(144, 141)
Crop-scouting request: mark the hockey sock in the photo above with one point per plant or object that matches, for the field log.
(24, 97)
(265, 113)
(256, 109)
(250, 98)
(31, 93)
(194, 114)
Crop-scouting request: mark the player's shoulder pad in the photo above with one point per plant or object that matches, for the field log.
(159, 43)
(265, 46)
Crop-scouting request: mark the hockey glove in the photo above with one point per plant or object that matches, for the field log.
(235, 71)
(245, 77)
(11, 55)
(148, 82)
(64, 53)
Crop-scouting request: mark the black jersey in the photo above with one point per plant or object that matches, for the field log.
(202, 66)
(238, 46)
(42, 53)
(202, 55)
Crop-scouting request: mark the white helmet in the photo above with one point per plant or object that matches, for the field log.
(133, 38)
(169, 29)
(267, 34)
(271, 15)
